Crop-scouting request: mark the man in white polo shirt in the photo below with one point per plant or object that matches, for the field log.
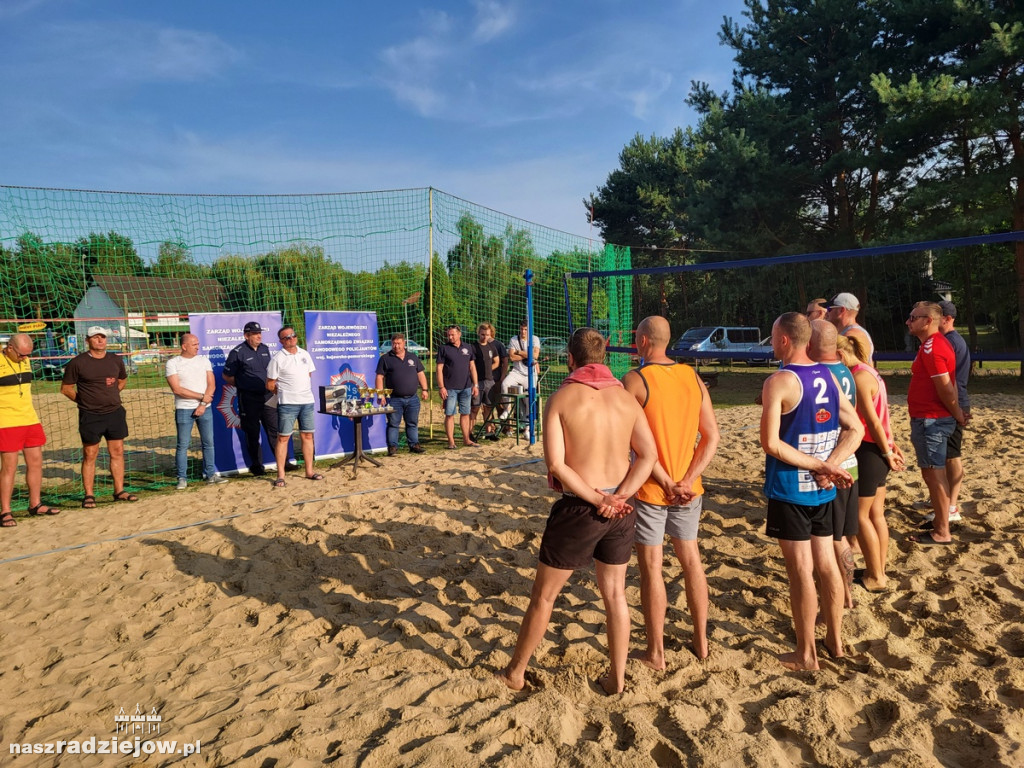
(289, 376)
(190, 377)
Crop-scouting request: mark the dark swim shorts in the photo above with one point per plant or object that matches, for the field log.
(575, 534)
(798, 522)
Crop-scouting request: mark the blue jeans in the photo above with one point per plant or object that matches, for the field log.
(458, 399)
(929, 438)
(184, 420)
(409, 409)
(287, 415)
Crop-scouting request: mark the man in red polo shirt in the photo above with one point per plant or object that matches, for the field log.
(934, 413)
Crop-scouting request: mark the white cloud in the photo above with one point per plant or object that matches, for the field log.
(411, 67)
(492, 20)
(89, 53)
(11, 8)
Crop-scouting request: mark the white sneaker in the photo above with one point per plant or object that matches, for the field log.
(216, 480)
(182, 484)
(954, 517)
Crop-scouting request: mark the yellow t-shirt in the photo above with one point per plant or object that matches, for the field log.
(16, 408)
(673, 412)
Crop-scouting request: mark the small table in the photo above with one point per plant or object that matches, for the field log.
(357, 426)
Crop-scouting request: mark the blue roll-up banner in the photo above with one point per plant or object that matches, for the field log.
(344, 349)
(219, 333)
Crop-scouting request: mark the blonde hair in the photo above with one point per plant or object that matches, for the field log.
(854, 347)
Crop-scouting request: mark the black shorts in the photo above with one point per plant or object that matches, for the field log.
(845, 521)
(797, 522)
(874, 469)
(576, 534)
(93, 427)
(954, 443)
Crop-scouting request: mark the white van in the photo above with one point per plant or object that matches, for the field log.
(717, 338)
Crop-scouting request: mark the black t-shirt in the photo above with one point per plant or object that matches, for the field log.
(485, 359)
(456, 361)
(248, 366)
(95, 380)
(400, 376)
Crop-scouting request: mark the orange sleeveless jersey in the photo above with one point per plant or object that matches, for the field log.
(673, 411)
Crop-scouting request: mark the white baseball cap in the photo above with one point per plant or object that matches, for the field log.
(96, 330)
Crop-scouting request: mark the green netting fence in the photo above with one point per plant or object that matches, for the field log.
(139, 263)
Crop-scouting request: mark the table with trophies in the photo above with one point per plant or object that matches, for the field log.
(335, 401)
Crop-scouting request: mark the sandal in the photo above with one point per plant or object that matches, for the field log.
(43, 509)
(125, 496)
(315, 476)
(89, 502)
(7, 520)
(279, 483)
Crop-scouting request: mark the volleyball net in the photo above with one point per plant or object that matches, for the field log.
(139, 264)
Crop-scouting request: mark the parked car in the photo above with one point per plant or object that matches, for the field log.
(48, 364)
(146, 357)
(418, 349)
(715, 338)
(764, 346)
(552, 348)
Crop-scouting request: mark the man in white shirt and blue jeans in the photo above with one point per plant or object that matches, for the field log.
(289, 376)
(190, 377)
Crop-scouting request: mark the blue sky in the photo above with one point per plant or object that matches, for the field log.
(521, 106)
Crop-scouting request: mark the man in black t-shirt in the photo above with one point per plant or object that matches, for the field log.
(457, 383)
(491, 358)
(402, 372)
(93, 381)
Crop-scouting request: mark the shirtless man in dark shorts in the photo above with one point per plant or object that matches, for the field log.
(590, 424)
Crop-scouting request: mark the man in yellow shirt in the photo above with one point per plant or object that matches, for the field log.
(20, 430)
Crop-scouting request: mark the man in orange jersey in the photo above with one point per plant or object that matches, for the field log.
(678, 409)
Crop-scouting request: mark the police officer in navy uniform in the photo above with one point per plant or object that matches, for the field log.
(246, 370)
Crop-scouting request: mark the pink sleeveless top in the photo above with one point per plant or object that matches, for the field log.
(880, 402)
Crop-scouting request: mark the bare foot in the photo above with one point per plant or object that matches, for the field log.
(648, 659)
(609, 686)
(700, 646)
(875, 585)
(515, 685)
(797, 662)
(834, 647)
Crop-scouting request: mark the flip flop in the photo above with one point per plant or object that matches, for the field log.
(125, 496)
(451, 447)
(41, 509)
(89, 502)
(926, 540)
(7, 520)
(279, 483)
(315, 476)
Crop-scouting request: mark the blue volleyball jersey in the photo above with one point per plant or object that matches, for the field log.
(812, 427)
(848, 387)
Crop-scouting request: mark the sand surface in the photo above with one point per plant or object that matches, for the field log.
(357, 622)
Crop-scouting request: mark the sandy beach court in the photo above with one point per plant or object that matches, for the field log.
(357, 622)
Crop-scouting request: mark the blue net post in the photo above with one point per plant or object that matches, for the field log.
(531, 390)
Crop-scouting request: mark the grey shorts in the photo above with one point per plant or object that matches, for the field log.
(678, 521)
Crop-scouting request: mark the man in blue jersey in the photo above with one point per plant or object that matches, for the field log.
(822, 349)
(807, 429)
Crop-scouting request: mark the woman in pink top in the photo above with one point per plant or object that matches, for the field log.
(877, 455)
